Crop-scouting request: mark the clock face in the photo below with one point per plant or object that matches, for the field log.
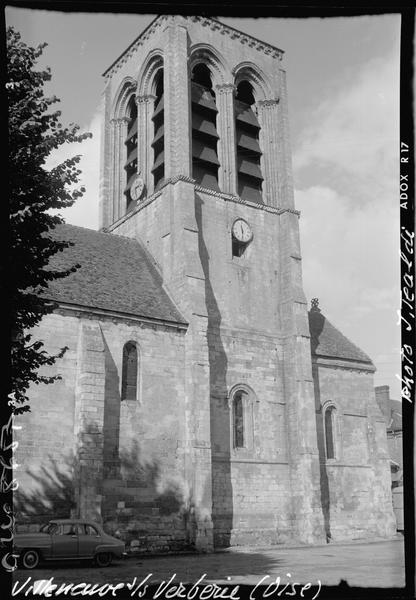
(137, 187)
(242, 231)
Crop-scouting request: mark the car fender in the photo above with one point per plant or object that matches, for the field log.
(43, 546)
(117, 550)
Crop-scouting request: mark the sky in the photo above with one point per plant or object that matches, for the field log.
(343, 89)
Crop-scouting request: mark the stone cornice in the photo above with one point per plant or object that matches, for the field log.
(212, 24)
(199, 188)
(243, 38)
(139, 41)
(329, 362)
(78, 310)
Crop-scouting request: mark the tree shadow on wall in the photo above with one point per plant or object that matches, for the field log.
(51, 495)
(135, 505)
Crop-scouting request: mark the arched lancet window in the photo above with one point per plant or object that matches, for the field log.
(158, 142)
(204, 131)
(129, 372)
(131, 151)
(238, 408)
(329, 423)
(247, 128)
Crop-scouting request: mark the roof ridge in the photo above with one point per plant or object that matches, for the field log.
(100, 232)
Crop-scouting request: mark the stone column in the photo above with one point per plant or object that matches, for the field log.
(122, 135)
(114, 166)
(118, 174)
(284, 153)
(308, 524)
(186, 278)
(145, 107)
(177, 100)
(267, 113)
(106, 149)
(227, 142)
(89, 421)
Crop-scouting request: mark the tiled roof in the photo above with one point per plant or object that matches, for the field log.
(116, 274)
(327, 341)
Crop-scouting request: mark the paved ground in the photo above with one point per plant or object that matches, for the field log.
(376, 564)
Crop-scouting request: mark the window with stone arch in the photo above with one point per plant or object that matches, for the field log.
(329, 431)
(205, 161)
(130, 371)
(248, 152)
(242, 418)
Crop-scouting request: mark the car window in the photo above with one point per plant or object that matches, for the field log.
(53, 529)
(68, 529)
(90, 530)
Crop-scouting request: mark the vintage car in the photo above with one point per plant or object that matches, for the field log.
(63, 539)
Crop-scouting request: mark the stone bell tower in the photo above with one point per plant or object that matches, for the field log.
(196, 165)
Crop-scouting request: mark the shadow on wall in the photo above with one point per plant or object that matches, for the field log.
(141, 498)
(51, 494)
(222, 492)
(316, 328)
(323, 474)
(138, 500)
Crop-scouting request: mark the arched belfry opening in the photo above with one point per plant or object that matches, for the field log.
(247, 130)
(204, 129)
(158, 143)
(130, 165)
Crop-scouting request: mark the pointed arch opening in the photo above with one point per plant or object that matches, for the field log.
(247, 129)
(205, 161)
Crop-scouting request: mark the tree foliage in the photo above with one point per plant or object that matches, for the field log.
(35, 131)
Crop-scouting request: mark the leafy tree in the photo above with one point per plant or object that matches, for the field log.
(34, 132)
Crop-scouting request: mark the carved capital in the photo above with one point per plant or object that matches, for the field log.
(225, 88)
(117, 123)
(268, 103)
(145, 99)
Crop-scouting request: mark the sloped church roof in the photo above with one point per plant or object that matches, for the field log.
(116, 274)
(328, 342)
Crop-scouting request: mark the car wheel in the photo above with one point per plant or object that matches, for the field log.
(103, 559)
(30, 559)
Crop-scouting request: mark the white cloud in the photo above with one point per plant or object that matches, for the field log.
(356, 131)
(350, 221)
(85, 210)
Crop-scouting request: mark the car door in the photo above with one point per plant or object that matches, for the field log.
(65, 541)
(88, 538)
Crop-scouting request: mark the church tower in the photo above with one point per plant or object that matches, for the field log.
(196, 166)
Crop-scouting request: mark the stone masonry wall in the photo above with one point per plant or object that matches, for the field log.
(356, 483)
(45, 453)
(128, 456)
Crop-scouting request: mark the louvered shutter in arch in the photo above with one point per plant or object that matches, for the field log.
(247, 131)
(158, 143)
(130, 166)
(204, 131)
